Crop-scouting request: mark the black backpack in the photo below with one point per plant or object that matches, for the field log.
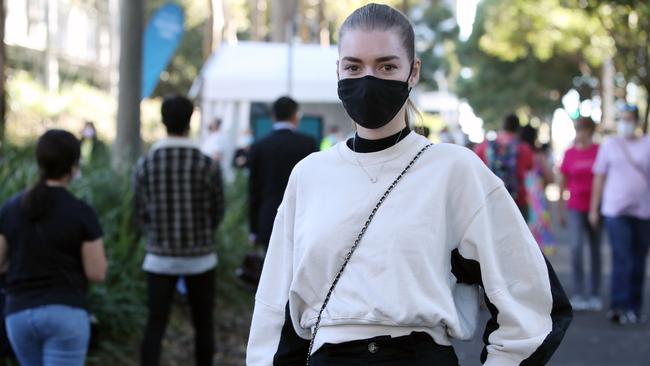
(502, 161)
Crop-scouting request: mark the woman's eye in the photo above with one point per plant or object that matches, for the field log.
(351, 68)
(388, 67)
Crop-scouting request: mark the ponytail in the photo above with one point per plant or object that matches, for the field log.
(413, 115)
(57, 152)
(35, 201)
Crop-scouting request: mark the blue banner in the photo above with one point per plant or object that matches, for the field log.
(161, 38)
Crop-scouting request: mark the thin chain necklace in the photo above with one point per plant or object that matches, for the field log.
(354, 148)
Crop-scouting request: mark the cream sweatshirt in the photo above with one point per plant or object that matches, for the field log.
(448, 227)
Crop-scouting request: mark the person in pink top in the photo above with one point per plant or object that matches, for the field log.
(576, 178)
(622, 185)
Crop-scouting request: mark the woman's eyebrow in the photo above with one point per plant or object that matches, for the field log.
(352, 59)
(386, 58)
(378, 59)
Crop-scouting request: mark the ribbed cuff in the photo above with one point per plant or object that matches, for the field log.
(496, 360)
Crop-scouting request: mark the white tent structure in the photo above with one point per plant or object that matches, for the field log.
(257, 71)
(238, 75)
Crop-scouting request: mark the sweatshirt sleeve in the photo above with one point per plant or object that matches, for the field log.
(272, 338)
(529, 309)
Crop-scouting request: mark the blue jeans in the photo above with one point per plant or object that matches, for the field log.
(51, 335)
(579, 230)
(630, 239)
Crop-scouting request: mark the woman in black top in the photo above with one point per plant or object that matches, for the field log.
(50, 246)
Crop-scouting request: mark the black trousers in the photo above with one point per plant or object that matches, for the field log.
(416, 349)
(200, 293)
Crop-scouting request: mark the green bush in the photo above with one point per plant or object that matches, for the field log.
(119, 302)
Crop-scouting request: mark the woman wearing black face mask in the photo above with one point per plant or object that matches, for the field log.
(381, 242)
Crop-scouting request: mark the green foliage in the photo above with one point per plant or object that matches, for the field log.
(586, 32)
(118, 302)
(517, 29)
(232, 245)
(32, 108)
(499, 86)
(17, 170)
(436, 43)
(627, 22)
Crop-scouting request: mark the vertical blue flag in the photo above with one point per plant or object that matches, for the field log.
(161, 38)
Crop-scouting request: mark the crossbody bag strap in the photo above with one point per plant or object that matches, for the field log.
(635, 165)
(356, 244)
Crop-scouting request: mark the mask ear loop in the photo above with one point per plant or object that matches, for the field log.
(410, 74)
(410, 88)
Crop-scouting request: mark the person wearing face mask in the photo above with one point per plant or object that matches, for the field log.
(51, 247)
(621, 194)
(92, 148)
(381, 242)
(576, 178)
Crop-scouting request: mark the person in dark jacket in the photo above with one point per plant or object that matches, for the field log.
(271, 160)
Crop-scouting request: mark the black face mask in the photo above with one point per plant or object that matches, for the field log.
(372, 102)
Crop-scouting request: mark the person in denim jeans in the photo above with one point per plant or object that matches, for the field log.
(622, 183)
(51, 246)
(577, 178)
(41, 337)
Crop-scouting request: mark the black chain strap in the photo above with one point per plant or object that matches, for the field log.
(356, 244)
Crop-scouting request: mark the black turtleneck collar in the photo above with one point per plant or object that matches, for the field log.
(362, 145)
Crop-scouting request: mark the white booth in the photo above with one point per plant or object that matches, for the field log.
(238, 75)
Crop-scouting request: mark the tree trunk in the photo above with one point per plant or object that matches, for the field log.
(323, 29)
(2, 77)
(51, 48)
(114, 35)
(303, 22)
(257, 19)
(207, 32)
(229, 29)
(218, 23)
(283, 13)
(127, 141)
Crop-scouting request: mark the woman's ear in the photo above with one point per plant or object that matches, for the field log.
(75, 172)
(338, 77)
(415, 74)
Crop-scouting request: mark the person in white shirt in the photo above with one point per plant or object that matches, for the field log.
(213, 144)
(447, 226)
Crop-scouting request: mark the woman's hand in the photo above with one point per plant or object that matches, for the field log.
(594, 218)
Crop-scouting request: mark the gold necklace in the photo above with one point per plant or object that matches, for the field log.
(354, 149)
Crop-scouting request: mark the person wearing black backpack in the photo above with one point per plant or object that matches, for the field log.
(509, 160)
